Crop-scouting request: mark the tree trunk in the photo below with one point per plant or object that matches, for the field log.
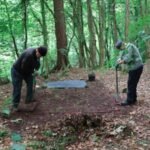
(78, 26)
(127, 19)
(146, 8)
(45, 67)
(61, 38)
(101, 25)
(92, 40)
(11, 30)
(80, 33)
(115, 34)
(24, 10)
(141, 8)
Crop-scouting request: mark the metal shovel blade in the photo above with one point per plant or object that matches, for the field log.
(117, 98)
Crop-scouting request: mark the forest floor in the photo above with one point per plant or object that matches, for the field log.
(80, 119)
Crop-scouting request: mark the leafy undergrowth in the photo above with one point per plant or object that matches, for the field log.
(101, 126)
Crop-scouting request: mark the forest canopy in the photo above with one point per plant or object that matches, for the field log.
(78, 33)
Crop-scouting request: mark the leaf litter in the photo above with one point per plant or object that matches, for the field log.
(82, 119)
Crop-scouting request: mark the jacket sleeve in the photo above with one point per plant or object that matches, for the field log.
(128, 57)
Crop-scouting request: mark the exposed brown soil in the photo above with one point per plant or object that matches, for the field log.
(55, 104)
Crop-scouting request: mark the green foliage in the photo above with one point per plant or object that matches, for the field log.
(139, 34)
(113, 59)
(14, 25)
(48, 133)
(4, 71)
(5, 107)
(3, 133)
(56, 142)
(62, 141)
(6, 102)
(18, 146)
(16, 137)
(37, 145)
(141, 41)
(5, 112)
(137, 27)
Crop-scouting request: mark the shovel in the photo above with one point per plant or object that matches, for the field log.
(34, 84)
(117, 95)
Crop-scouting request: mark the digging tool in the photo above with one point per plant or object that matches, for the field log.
(117, 95)
(35, 74)
(34, 83)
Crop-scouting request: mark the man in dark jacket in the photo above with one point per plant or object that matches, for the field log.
(23, 69)
(134, 62)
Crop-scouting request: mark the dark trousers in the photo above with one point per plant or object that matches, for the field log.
(17, 79)
(133, 80)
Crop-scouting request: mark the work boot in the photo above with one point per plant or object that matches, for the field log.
(126, 103)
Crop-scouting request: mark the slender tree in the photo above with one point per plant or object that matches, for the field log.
(78, 29)
(11, 29)
(113, 11)
(146, 8)
(78, 17)
(45, 67)
(101, 33)
(92, 40)
(61, 38)
(24, 4)
(127, 20)
(141, 8)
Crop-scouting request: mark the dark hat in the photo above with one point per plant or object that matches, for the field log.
(118, 44)
(42, 50)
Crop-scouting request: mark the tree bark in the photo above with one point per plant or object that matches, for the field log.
(11, 30)
(141, 8)
(61, 38)
(80, 33)
(92, 40)
(127, 19)
(45, 67)
(24, 10)
(115, 33)
(78, 30)
(101, 26)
